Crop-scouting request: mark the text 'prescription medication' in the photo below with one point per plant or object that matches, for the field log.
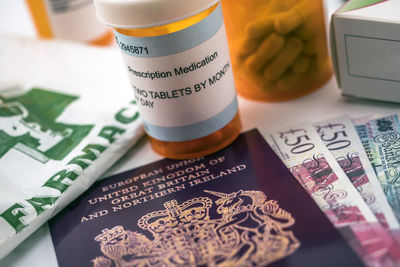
(177, 59)
(69, 19)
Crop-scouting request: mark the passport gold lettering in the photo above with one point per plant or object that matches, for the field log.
(122, 196)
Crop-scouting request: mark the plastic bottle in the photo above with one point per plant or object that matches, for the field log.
(278, 47)
(69, 19)
(177, 59)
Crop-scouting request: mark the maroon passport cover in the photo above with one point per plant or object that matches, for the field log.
(238, 207)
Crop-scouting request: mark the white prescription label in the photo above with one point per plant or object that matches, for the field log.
(74, 20)
(182, 81)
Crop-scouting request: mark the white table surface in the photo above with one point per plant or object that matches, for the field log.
(38, 251)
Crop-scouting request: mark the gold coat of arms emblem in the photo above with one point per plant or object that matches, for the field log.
(242, 228)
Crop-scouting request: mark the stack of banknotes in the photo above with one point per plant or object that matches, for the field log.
(351, 168)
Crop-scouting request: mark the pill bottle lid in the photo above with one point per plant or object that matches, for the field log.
(147, 13)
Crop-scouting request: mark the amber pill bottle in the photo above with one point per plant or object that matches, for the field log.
(178, 63)
(69, 19)
(278, 47)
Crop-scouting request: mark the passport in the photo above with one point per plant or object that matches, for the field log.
(240, 206)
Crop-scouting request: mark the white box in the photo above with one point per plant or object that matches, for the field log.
(365, 46)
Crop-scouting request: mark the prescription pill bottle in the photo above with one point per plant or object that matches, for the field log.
(177, 59)
(278, 47)
(69, 19)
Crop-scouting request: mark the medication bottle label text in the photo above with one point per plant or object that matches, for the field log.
(182, 81)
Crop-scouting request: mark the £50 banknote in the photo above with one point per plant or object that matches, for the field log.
(341, 139)
(306, 156)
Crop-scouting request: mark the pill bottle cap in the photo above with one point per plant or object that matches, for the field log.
(147, 13)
